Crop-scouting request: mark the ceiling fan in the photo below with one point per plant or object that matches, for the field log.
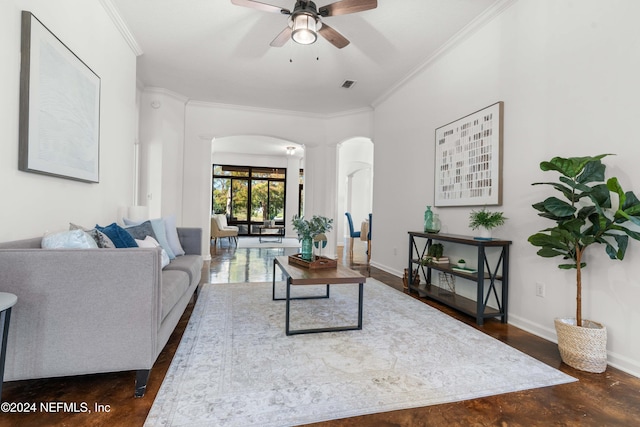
(305, 22)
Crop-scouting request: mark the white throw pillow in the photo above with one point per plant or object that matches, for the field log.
(72, 239)
(150, 242)
(172, 235)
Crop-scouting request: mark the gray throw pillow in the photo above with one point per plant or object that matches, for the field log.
(141, 231)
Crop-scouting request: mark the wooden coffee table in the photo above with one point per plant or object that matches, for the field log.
(296, 275)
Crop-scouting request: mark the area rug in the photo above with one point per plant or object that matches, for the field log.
(236, 367)
(267, 242)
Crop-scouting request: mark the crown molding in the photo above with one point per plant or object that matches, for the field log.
(465, 33)
(166, 92)
(262, 110)
(121, 25)
(245, 108)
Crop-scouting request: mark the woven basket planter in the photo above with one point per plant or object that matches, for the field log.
(583, 348)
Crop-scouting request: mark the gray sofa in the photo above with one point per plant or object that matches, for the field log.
(86, 311)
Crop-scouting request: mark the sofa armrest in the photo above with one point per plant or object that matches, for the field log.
(191, 240)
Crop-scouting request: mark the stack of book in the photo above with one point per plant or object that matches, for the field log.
(464, 269)
(441, 260)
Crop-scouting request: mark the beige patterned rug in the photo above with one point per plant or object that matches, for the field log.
(236, 367)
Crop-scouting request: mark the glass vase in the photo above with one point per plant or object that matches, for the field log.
(428, 220)
(307, 249)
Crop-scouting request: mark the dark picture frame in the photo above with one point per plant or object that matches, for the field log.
(468, 159)
(59, 131)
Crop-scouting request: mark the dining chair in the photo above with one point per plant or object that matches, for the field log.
(352, 234)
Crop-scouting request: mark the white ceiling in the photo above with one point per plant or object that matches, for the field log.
(214, 51)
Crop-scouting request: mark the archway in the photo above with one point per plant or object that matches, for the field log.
(260, 153)
(355, 183)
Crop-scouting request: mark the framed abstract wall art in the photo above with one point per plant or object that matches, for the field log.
(59, 108)
(468, 159)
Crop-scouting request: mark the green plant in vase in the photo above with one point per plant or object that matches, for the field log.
(308, 229)
(486, 221)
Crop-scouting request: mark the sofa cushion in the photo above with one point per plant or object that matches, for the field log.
(118, 235)
(190, 264)
(174, 285)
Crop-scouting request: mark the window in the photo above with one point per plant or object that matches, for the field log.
(248, 196)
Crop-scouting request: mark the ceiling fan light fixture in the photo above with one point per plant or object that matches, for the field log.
(304, 29)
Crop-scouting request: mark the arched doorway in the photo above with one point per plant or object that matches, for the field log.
(260, 178)
(355, 183)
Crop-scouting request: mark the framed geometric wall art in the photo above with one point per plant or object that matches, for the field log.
(59, 108)
(468, 159)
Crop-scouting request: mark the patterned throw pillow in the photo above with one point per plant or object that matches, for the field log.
(101, 239)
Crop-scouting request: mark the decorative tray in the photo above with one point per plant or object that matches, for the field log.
(318, 262)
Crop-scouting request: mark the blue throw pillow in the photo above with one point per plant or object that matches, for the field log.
(118, 235)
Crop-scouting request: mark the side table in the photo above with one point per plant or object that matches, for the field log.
(7, 301)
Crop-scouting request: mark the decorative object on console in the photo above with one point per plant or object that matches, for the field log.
(468, 170)
(431, 221)
(462, 263)
(59, 108)
(485, 221)
(587, 217)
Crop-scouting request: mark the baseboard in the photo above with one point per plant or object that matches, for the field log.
(387, 269)
(615, 360)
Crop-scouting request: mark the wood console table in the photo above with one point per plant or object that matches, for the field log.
(419, 244)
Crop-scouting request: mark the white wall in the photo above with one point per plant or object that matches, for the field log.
(568, 75)
(161, 152)
(33, 204)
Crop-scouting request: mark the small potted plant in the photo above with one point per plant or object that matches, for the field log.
(434, 253)
(462, 263)
(486, 221)
(586, 216)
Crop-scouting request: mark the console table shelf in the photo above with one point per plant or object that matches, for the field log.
(419, 244)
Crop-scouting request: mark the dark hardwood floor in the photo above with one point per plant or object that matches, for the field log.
(608, 399)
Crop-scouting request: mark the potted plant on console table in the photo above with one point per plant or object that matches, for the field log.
(485, 221)
(308, 229)
(584, 218)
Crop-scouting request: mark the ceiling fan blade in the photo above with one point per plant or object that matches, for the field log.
(347, 6)
(261, 6)
(282, 38)
(333, 37)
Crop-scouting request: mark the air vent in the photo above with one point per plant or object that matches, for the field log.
(348, 84)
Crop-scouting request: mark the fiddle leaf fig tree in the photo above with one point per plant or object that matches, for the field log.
(584, 215)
